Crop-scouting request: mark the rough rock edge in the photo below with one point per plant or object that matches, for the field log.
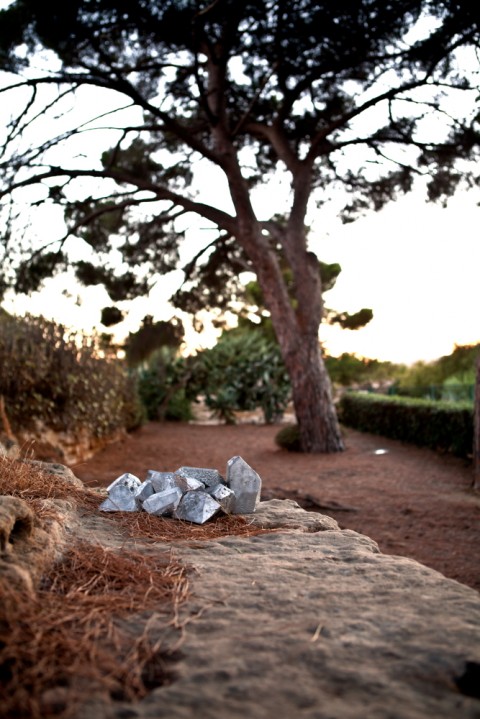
(28, 545)
(288, 514)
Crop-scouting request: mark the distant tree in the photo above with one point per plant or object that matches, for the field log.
(150, 337)
(348, 369)
(459, 366)
(360, 98)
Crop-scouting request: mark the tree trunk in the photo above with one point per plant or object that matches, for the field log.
(296, 329)
(312, 397)
(476, 431)
(296, 319)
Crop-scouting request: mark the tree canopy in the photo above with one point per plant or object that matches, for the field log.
(349, 100)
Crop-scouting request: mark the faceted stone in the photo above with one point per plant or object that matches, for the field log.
(161, 480)
(224, 496)
(197, 507)
(246, 485)
(187, 484)
(120, 499)
(164, 502)
(209, 477)
(144, 491)
(125, 480)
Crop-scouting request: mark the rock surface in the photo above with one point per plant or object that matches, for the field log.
(26, 549)
(305, 621)
(57, 470)
(315, 622)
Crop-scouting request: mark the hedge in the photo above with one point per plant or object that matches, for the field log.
(61, 379)
(444, 426)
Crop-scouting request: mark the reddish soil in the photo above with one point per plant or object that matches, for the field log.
(413, 502)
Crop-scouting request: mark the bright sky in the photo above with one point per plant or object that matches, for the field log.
(416, 266)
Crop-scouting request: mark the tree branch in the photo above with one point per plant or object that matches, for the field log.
(218, 217)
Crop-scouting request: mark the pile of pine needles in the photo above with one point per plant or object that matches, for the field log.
(94, 622)
(73, 636)
(141, 525)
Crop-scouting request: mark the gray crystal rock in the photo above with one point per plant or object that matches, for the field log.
(125, 480)
(188, 484)
(161, 480)
(197, 507)
(163, 503)
(120, 499)
(194, 494)
(245, 483)
(208, 477)
(224, 496)
(144, 491)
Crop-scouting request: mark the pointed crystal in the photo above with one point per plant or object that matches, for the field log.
(163, 503)
(224, 496)
(120, 499)
(246, 485)
(125, 480)
(208, 477)
(161, 480)
(197, 507)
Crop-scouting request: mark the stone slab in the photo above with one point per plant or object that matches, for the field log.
(315, 622)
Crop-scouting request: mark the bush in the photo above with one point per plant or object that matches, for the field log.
(50, 374)
(445, 426)
(243, 372)
(162, 387)
(289, 438)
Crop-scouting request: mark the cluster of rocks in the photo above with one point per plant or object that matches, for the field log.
(193, 494)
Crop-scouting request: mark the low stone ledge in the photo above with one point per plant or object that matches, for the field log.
(287, 514)
(319, 625)
(310, 621)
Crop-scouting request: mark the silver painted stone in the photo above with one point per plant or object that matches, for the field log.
(163, 503)
(246, 485)
(224, 496)
(125, 480)
(144, 491)
(188, 484)
(197, 506)
(120, 499)
(208, 477)
(161, 480)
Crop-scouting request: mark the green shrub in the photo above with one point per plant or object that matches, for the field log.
(445, 426)
(50, 374)
(162, 386)
(243, 372)
(289, 438)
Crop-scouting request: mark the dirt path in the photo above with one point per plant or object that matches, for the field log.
(413, 502)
